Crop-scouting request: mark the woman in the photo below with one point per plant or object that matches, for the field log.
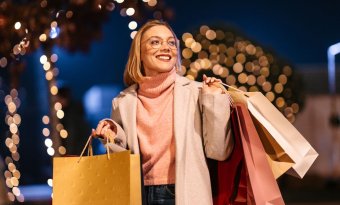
(174, 123)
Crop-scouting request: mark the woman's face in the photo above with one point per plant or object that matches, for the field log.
(158, 50)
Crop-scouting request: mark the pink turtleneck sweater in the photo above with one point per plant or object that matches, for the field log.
(155, 128)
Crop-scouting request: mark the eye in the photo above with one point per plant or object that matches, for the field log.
(155, 42)
(172, 43)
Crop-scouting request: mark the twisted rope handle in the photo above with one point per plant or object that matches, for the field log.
(223, 88)
(90, 150)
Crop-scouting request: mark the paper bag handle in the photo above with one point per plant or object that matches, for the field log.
(225, 90)
(90, 150)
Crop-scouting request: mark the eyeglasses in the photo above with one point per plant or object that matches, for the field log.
(157, 43)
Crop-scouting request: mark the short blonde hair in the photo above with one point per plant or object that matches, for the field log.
(133, 72)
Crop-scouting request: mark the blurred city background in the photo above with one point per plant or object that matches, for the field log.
(61, 63)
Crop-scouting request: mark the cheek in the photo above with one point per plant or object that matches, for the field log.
(175, 56)
(147, 54)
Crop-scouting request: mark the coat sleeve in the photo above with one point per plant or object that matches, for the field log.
(217, 136)
(115, 120)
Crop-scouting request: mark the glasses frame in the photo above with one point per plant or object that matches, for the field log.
(161, 42)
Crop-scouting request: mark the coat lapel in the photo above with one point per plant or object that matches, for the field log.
(181, 108)
(128, 110)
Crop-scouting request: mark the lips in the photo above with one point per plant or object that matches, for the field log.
(164, 57)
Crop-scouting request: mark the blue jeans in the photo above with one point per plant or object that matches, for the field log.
(160, 194)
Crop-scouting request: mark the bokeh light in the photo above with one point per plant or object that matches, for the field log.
(222, 53)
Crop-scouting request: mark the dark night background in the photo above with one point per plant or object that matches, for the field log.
(298, 31)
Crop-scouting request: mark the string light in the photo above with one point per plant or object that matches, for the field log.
(43, 35)
(241, 64)
(53, 143)
(130, 11)
(13, 120)
(133, 25)
(129, 8)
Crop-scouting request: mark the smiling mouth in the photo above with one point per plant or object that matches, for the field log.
(164, 57)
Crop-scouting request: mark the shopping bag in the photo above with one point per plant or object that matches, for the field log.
(278, 159)
(245, 178)
(288, 151)
(284, 133)
(262, 187)
(228, 177)
(101, 179)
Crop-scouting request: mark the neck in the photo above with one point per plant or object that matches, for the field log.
(153, 86)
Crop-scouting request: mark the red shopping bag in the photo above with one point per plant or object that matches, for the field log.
(245, 177)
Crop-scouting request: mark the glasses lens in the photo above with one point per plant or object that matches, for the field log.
(157, 43)
(172, 44)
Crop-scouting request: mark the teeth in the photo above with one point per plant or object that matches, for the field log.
(164, 57)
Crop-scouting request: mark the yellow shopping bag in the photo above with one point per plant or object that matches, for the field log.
(101, 180)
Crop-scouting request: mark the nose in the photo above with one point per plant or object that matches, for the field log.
(166, 47)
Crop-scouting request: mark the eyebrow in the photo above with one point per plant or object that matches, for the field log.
(160, 37)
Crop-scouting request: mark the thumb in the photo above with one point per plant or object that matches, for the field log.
(93, 132)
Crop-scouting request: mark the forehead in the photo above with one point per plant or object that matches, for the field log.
(160, 31)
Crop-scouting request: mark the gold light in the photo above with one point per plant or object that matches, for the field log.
(62, 150)
(238, 67)
(60, 114)
(49, 75)
(43, 59)
(63, 133)
(188, 42)
(58, 106)
(187, 53)
(239, 62)
(270, 96)
(185, 36)
(54, 90)
(46, 132)
(196, 47)
(210, 34)
(152, 3)
(45, 119)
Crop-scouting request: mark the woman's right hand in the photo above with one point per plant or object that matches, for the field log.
(105, 130)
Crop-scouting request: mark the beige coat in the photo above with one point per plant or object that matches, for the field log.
(201, 126)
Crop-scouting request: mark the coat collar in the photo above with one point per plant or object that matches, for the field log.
(132, 90)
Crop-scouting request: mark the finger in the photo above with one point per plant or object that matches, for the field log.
(207, 80)
(95, 135)
(216, 80)
(99, 127)
(204, 77)
(104, 130)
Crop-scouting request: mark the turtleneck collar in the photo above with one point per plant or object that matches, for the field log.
(153, 86)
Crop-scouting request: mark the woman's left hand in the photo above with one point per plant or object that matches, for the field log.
(211, 85)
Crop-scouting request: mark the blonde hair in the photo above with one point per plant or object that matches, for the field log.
(133, 72)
